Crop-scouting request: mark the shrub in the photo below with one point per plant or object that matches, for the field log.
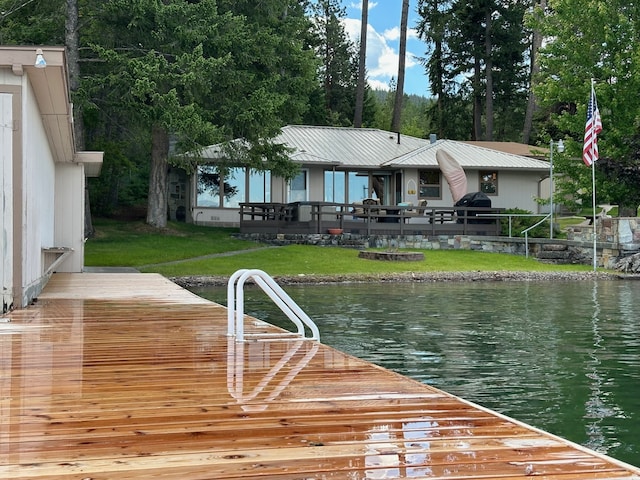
(518, 224)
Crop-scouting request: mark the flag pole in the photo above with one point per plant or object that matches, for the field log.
(590, 154)
(593, 189)
(593, 197)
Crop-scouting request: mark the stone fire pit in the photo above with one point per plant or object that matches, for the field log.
(392, 256)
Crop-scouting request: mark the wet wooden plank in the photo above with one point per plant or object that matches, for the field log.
(128, 376)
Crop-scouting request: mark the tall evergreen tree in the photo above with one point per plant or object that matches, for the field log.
(534, 69)
(432, 30)
(201, 74)
(476, 54)
(339, 62)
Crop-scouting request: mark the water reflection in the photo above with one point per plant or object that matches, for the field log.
(262, 353)
(563, 356)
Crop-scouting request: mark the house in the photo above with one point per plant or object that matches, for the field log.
(347, 165)
(42, 174)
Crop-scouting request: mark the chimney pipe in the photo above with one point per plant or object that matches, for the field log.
(398, 134)
(433, 138)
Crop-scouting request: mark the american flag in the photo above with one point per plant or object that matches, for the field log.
(591, 131)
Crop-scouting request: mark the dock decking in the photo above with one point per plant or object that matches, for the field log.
(128, 377)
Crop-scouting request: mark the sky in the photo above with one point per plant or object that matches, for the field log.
(383, 42)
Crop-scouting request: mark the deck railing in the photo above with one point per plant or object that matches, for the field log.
(327, 217)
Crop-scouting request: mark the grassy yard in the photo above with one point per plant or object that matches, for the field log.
(213, 251)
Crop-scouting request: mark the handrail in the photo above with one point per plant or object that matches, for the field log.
(526, 234)
(235, 304)
(510, 216)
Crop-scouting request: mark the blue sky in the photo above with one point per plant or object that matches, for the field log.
(383, 39)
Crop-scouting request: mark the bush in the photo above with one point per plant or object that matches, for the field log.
(518, 224)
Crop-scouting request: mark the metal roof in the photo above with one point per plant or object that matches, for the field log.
(469, 156)
(368, 147)
(374, 148)
(356, 147)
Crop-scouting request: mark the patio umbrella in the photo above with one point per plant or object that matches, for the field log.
(453, 173)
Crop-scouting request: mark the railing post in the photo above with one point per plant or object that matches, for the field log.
(231, 302)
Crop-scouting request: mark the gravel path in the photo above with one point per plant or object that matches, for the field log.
(215, 280)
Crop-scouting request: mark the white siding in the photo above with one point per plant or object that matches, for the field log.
(6, 200)
(69, 214)
(516, 189)
(37, 192)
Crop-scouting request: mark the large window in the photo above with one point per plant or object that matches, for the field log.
(355, 186)
(358, 186)
(299, 187)
(231, 188)
(259, 186)
(489, 183)
(429, 184)
(334, 186)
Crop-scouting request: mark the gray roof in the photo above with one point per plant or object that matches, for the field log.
(469, 157)
(357, 147)
(374, 148)
(369, 147)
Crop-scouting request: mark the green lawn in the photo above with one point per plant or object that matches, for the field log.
(134, 244)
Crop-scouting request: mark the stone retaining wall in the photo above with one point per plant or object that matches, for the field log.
(624, 231)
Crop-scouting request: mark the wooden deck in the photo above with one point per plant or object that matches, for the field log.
(127, 376)
(319, 217)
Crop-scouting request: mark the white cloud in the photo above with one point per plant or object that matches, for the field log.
(382, 58)
(358, 5)
(378, 85)
(393, 34)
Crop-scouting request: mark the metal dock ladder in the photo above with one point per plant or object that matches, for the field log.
(235, 307)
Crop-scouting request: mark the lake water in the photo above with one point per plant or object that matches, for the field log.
(562, 356)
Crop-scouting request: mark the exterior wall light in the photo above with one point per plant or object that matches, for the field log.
(40, 61)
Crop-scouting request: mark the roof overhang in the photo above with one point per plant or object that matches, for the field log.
(51, 90)
(92, 162)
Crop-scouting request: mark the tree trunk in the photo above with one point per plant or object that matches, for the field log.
(362, 57)
(397, 106)
(158, 178)
(477, 104)
(536, 44)
(437, 87)
(489, 80)
(72, 43)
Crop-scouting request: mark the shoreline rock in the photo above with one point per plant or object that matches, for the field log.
(421, 277)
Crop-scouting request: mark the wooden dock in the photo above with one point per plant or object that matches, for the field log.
(128, 377)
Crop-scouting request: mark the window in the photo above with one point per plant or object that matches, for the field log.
(231, 188)
(298, 191)
(235, 188)
(334, 186)
(489, 183)
(429, 184)
(358, 186)
(355, 186)
(259, 186)
(208, 187)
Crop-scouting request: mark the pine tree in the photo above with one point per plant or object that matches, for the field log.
(339, 62)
